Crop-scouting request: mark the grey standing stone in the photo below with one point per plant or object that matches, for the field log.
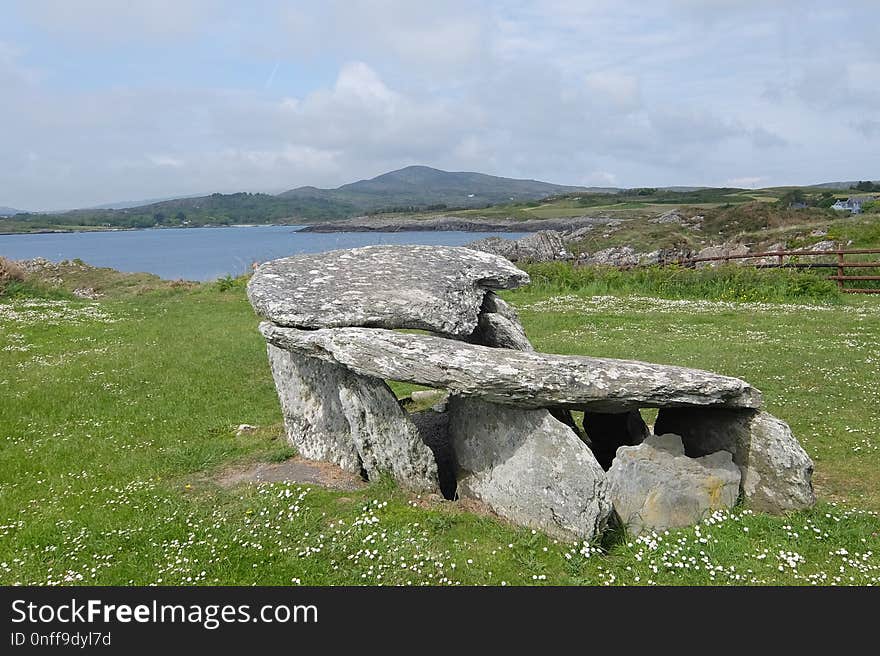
(334, 415)
(525, 379)
(529, 468)
(656, 486)
(435, 288)
(313, 418)
(499, 326)
(776, 471)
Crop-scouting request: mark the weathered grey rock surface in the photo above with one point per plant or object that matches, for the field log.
(507, 435)
(498, 325)
(656, 486)
(614, 256)
(525, 379)
(543, 246)
(529, 468)
(776, 471)
(724, 250)
(335, 415)
(436, 288)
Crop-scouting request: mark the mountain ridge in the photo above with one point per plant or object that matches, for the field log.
(423, 186)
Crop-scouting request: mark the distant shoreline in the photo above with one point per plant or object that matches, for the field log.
(442, 223)
(454, 223)
(86, 229)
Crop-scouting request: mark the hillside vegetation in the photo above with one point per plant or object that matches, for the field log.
(421, 192)
(412, 188)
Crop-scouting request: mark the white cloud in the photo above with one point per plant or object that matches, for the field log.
(166, 160)
(746, 182)
(572, 91)
(620, 89)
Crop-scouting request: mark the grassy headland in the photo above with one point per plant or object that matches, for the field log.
(117, 416)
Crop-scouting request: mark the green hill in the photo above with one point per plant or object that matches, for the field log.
(417, 187)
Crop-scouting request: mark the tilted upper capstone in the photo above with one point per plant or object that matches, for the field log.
(436, 288)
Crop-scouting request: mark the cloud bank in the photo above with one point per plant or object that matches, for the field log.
(106, 101)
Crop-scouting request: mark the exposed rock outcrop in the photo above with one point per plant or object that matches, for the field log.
(542, 246)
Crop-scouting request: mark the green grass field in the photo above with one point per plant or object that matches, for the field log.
(116, 417)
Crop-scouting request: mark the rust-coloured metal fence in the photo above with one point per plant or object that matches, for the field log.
(841, 265)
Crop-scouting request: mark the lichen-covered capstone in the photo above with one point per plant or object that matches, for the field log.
(525, 379)
(529, 468)
(655, 486)
(776, 471)
(436, 288)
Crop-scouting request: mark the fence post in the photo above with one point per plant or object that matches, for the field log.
(840, 274)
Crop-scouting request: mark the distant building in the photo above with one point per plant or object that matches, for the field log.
(797, 205)
(853, 205)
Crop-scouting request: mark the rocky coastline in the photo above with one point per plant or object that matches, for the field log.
(457, 223)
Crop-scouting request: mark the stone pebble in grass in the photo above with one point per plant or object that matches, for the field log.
(655, 486)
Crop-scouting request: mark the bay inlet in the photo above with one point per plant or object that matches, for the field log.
(208, 253)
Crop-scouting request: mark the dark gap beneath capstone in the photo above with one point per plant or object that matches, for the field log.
(433, 427)
(608, 431)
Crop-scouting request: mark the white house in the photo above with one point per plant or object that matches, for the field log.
(853, 205)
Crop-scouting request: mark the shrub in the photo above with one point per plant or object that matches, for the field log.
(9, 272)
(227, 283)
(728, 283)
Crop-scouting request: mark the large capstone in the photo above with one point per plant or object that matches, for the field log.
(529, 468)
(524, 379)
(334, 415)
(655, 486)
(435, 288)
(776, 471)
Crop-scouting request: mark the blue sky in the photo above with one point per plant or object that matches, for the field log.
(103, 101)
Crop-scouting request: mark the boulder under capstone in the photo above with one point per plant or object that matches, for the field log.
(507, 436)
(655, 486)
(776, 471)
(528, 467)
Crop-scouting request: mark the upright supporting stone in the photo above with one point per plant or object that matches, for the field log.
(335, 415)
(529, 468)
(498, 325)
(776, 471)
(313, 418)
